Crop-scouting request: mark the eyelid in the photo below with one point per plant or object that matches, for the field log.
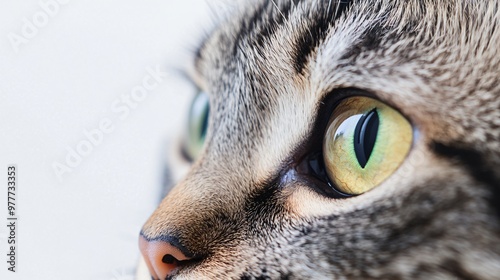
(342, 93)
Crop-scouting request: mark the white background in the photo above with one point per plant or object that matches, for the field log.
(63, 81)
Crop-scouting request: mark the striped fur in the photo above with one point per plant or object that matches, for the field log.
(272, 69)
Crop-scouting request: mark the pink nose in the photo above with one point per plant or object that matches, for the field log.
(161, 257)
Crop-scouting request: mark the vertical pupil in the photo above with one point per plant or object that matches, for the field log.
(204, 124)
(365, 136)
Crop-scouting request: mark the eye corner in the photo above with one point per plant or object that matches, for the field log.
(310, 170)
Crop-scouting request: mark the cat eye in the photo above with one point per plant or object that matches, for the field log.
(365, 142)
(197, 125)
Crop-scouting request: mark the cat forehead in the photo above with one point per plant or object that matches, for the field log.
(436, 62)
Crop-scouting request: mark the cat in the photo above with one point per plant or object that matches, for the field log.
(339, 140)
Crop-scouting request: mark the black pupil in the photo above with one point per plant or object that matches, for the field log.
(365, 136)
(204, 125)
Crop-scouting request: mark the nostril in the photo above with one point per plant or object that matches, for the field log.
(163, 257)
(169, 259)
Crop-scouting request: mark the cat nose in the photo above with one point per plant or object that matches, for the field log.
(162, 257)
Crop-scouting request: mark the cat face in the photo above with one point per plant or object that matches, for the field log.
(272, 194)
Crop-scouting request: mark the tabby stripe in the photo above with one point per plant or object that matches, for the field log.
(474, 162)
(311, 37)
(259, 26)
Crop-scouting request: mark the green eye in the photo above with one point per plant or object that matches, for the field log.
(197, 125)
(365, 142)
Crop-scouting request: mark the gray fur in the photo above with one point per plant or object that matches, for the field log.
(437, 217)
